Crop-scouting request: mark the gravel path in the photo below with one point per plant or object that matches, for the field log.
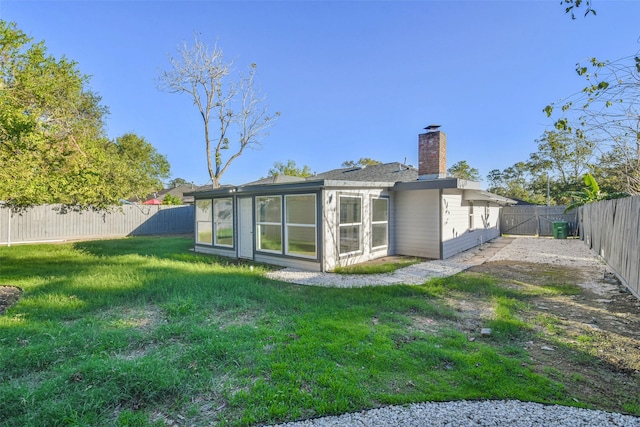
(510, 413)
(487, 413)
(413, 275)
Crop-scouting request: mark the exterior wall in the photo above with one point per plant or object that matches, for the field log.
(206, 249)
(286, 261)
(457, 236)
(415, 223)
(331, 230)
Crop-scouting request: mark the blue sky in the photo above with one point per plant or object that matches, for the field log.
(350, 79)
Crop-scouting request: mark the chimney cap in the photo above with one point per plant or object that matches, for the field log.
(432, 128)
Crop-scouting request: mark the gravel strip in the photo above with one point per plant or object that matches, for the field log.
(512, 413)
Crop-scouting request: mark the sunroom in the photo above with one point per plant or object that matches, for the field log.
(311, 225)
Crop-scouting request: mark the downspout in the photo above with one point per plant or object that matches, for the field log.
(320, 208)
(440, 225)
(9, 227)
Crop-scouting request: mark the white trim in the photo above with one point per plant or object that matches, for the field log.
(214, 224)
(386, 222)
(350, 224)
(314, 226)
(259, 224)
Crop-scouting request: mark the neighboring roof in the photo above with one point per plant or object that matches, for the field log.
(475, 195)
(386, 172)
(152, 202)
(276, 179)
(179, 191)
(521, 202)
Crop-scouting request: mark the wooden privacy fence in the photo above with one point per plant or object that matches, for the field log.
(51, 222)
(612, 230)
(532, 220)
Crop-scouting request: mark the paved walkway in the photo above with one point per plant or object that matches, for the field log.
(413, 275)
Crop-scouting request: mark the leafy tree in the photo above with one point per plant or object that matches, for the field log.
(515, 182)
(226, 106)
(590, 193)
(171, 200)
(607, 110)
(290, 169)
(560, 162)
(364, 161)
(53, 147)
(176, 182)
(462, 170)
(146, 166)
(572, 5)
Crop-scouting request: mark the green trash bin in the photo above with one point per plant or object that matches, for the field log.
(560, 229)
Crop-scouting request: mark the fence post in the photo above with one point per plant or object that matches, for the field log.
(9, 227)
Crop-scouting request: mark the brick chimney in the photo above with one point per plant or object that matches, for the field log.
(432, 154)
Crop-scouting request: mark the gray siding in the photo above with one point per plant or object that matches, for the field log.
(307, 265)
(457, 236)
(206, 249)
(50, 222)
(467, 241)
(416, 220)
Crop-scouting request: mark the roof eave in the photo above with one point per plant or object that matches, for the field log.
(437, 184)
(479, 195)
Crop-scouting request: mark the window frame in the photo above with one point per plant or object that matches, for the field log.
(313, 226)
(198, 221)
(385, 222)
(350, 224)
(259, 223)
(214, 223)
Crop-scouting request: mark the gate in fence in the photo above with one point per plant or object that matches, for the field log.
(532, 220)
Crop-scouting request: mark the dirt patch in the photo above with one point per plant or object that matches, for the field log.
(586, 336)
(9, 295)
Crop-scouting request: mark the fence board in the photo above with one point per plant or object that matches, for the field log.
(612, 230)
(531, 220)
(50, 222)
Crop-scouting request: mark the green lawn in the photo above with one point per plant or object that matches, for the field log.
(140, 331)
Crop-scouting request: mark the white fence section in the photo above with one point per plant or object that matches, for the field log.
(51, 223)
(612, 230)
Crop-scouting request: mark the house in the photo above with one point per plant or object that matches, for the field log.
(179, 191)
(350, 215)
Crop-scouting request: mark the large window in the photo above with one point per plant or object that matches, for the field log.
(223, 222)
(300, 225)
(269, 223)
(203, 221)
(379, 222)
(350, 224)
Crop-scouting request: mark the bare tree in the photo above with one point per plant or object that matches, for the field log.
(227, 106)
(608, 111)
